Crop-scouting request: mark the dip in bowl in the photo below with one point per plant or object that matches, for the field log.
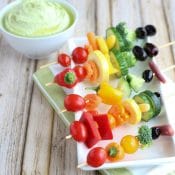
(38, 28)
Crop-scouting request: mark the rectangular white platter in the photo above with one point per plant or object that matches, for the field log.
(162, 149)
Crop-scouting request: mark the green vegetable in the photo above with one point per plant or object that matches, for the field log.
(129, 57)
(119, 40)
(123, 85)
(127, 35)
(145, 136)
(155, 101)
(140, 99)
(135, 82)
(119, 62)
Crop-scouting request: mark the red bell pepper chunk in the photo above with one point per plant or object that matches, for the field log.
(93, 135)
(103, 126)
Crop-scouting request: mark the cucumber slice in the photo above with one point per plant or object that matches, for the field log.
(123, 86)
(140, 99)
(130, 58)
(119, 62)
(155, 102)
(135, 82)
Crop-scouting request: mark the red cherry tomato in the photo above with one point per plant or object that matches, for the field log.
(79, 55)
(78, 131)
(64, 59)
(96, 157)
(80, 72)
(74, 103)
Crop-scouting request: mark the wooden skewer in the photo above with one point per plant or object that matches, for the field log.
(81, 165)
(63, 110)
(50, 84)
(167, 44)
(168, 68)
(68, 137)
(46, 65)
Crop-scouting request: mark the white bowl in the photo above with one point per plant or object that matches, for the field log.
(38, 47)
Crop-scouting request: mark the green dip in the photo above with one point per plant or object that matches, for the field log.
(34, 18)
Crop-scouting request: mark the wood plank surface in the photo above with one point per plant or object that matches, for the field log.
(31, 134)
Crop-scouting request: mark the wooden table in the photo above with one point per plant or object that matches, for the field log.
(30, 131)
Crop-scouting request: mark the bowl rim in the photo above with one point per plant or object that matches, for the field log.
(67, 4)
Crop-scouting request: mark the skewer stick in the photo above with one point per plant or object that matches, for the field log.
(81, 165)
(168, 68)
(63, 110)
(49, 84)
(167, 44)
(46, 65)
(68, 137)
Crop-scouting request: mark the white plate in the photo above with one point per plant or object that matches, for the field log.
(162, 150)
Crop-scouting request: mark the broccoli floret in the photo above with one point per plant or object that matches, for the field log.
(127, 35)
(145, 136)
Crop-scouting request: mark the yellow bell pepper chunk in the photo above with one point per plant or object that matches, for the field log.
(109, 94)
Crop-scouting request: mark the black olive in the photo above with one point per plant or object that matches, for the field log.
(155, 132)
(139, 53)
(157, 94)
(151, 49)
(150, 29)
(141, 33)
(147, 75)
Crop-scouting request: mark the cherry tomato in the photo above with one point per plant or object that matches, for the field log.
(92, 101)
(96, 157)
(79, 55)
(74, 102)
(64, 59)
(80, 72)
(130, 144)
(115, 152)
(78, 131)
(112, 121)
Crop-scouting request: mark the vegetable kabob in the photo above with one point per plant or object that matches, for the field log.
(113, 56)
(129, 144)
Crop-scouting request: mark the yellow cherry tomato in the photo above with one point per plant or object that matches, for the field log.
(130, 144)
(115, 152)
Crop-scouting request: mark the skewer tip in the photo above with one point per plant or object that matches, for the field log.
(68, 137)
(49, 84)
(81, 165)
